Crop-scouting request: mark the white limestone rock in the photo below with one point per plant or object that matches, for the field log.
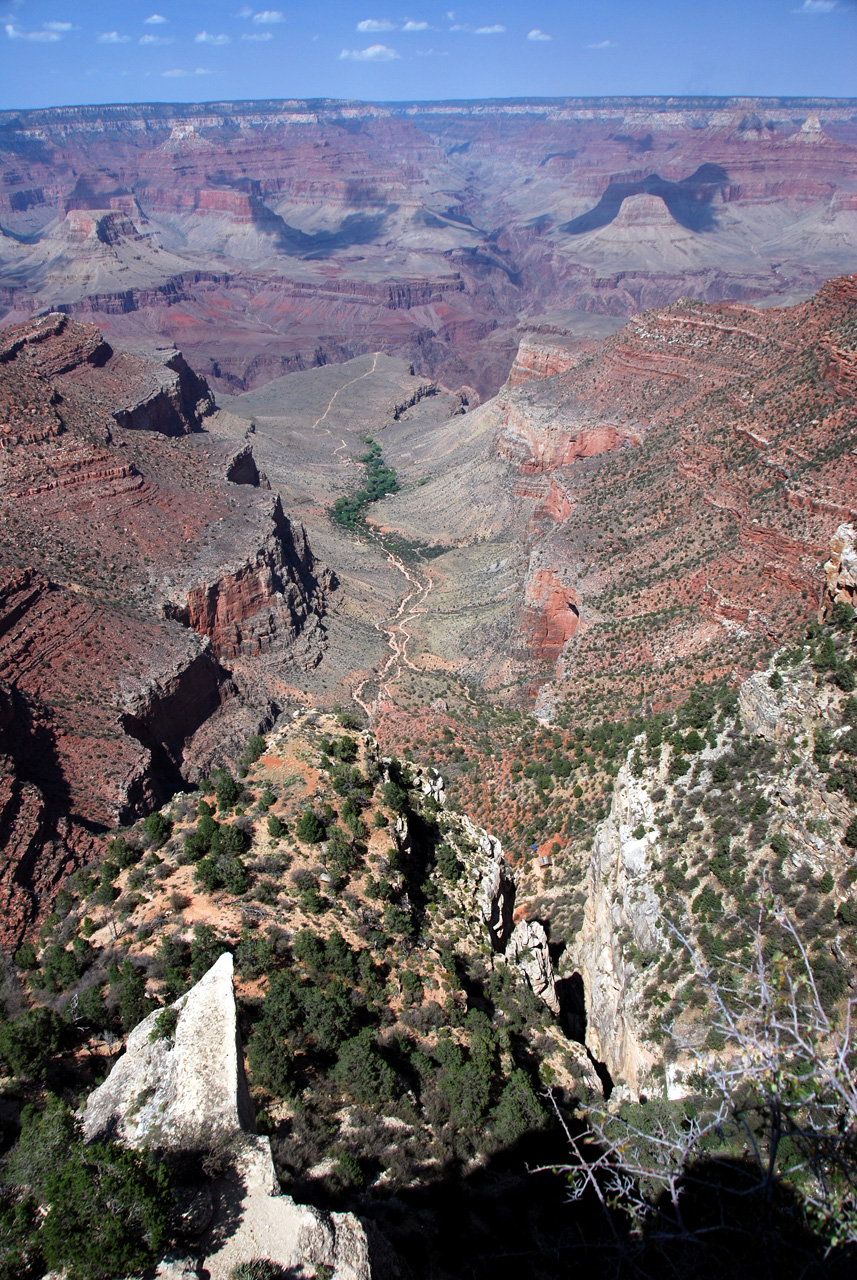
(621, 898)
(489, 879)
(188, 1089)
(840, 571)
(527, 950)
(169, 1090)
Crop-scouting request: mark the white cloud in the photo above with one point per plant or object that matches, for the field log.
(816, 6)
(112, 37)
(410, 25)
(602, 44)
(57, 26)
(39, 37)
(244, 12)
(257, 35)
(156, 40)
(205, 37)
(432, 53)
(494, 30)
(535, 34)
(376, 24)
(179, 71)
(268, 16)
(154, 19)
(375, 53)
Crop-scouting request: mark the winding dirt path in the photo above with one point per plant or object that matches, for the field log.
(339, 391)
(395, 628)
(397, 633)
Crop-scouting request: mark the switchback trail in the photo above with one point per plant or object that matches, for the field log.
(396, 631)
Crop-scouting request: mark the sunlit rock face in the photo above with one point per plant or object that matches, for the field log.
(183, 1087)
(142, 564)
(274, 236)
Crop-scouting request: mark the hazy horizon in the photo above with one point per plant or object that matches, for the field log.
(58, 54)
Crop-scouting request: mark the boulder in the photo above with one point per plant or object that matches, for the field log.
(180, 1084)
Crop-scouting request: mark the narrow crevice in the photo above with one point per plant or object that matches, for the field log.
(572, 1017)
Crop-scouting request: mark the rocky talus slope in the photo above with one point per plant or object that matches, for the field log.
(141, 566)
(658, 505)
(273, 236)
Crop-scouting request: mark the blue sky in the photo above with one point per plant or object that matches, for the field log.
(75, 51)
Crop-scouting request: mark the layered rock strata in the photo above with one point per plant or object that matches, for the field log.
(131, 570)
(658, 506)
(275, 236)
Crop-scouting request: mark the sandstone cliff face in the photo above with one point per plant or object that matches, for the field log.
(541, 357)
(186, 1089)
(278, 595)
(620, 901)
(145, 571)
(551, 614)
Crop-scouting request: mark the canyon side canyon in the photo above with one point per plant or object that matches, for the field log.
(517, 439)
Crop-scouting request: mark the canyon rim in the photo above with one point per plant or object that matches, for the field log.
(427, 686)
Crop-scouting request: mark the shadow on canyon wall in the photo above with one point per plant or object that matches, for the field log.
(688, 201)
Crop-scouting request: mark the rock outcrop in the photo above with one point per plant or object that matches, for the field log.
(277, 594)
(175, 401)
(527, 950)
(131, 570)
(840, 571)
(779, 714)
(180, 1085)
(488, 879)
(620, 900)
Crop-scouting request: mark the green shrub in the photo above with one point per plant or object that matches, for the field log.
(362, 1072)
(310, 828)
(25, 956)
(205, 949)
(844, 677)
(157, 829)
(228, 791)
(679, 766)
(780, 845)
(259, 1269)
(348, 1171)
(165, 1024)
(109, 1212)
(30, 1041)
(276, 827)
(519, 1110)
(134, 1004)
